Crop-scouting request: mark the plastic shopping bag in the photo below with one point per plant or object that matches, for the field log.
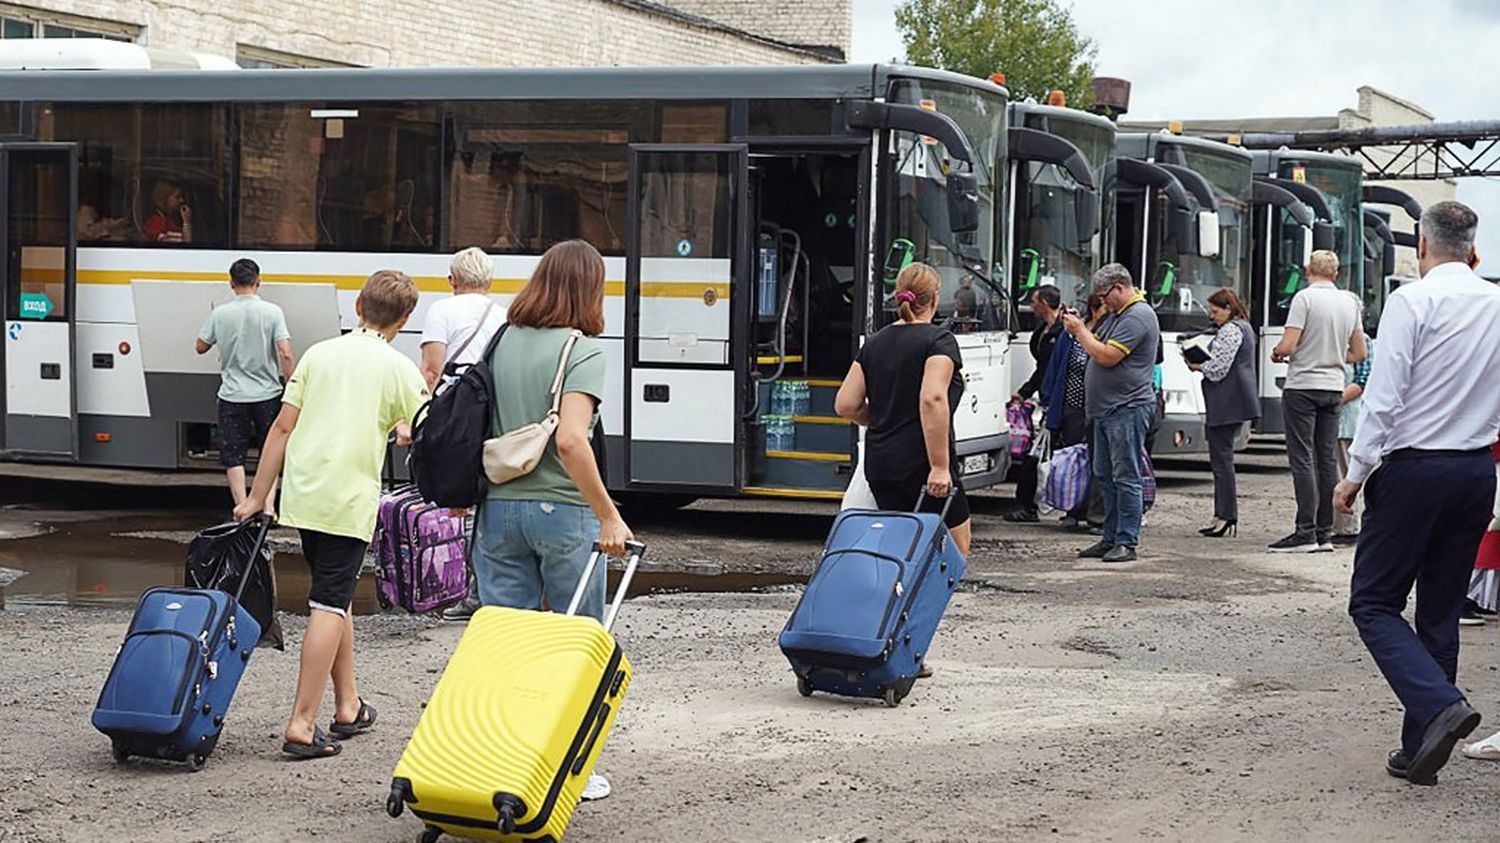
(858, 495)
(1067, 485)
(219, 556)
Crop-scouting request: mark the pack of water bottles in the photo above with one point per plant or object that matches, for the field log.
(789, 399)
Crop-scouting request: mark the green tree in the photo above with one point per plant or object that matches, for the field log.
(1035, 43)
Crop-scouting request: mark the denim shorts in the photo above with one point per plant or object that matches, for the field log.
(529, 551)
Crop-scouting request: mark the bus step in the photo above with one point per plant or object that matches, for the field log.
(804, 470)
(822, 434)
(794, 494)
(807, 456)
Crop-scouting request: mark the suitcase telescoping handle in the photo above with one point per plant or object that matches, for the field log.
(263, 524)
(947, 502)
(634, 550)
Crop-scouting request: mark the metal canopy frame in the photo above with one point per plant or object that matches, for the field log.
(1419, 152)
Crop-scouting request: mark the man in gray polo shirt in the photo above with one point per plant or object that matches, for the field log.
(1120, 402)
(1323, 331)
(255, 355)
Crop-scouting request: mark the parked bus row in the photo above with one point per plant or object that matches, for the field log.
(753, 221)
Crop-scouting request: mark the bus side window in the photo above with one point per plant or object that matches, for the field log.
(528, 174)
(325, 176)
(140, 166)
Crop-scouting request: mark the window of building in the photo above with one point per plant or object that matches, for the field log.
(23, 22)
(153, 174)
(528, 175)
(319, 176)
(259, 58)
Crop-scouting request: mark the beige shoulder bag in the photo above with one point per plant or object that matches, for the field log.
(517, 453)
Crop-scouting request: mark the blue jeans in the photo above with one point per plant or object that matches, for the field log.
(1119, 439)
(528, 549)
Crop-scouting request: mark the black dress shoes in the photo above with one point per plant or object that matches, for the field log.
(1452, 725)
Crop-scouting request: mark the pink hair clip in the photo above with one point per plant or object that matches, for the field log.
(906, 296)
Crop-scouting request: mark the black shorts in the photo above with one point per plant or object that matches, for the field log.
(902, 497)
(334, 562)
(243, 425)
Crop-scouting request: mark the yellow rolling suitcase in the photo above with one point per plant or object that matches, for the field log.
(513, 729)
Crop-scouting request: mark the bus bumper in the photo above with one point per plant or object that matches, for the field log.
(984, 462)
(1181, 433)
(1272, 418)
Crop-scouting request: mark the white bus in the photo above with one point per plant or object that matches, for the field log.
(1062, 198)
(1329, 186)
(750, 218)
(1180, 250)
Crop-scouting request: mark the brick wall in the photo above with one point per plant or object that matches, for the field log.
(825, 23)
(389, 33)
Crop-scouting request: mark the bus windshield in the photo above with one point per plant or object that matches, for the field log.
(916, 206)
(1340, 187)
(1047, 247)
(1287, 273)
(1182, 280)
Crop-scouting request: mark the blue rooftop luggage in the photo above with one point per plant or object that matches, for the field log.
(864, 625)
(170, 688)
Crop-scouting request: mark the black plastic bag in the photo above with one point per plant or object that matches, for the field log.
(219, 556)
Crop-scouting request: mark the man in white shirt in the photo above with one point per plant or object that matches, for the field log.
(1323, 331)
(457, 330)
(1422, 453)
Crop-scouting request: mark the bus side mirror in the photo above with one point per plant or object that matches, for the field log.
(1323, 235)
(1305, 247)
(1208, 234)
(963, 202)
(1086, 214)
(1388, 259)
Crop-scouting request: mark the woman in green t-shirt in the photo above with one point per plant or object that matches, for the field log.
(536, 531)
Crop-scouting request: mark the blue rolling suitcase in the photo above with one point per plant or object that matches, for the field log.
(169, 690)
(863, 626)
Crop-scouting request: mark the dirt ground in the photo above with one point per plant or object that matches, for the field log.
(1209, 691)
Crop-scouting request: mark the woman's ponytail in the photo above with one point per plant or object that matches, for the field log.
(917, 289)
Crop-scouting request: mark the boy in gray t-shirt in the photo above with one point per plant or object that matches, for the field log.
(255, 355)
(1323, 332)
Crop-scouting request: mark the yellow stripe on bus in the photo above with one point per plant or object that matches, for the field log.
(427, 284)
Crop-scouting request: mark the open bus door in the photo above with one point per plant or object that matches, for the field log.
(38, 207)
(686, 292)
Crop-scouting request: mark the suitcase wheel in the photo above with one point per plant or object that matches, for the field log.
(196, 762)
(892, 698)
(804, 687)
(430, 835)
(118, 750)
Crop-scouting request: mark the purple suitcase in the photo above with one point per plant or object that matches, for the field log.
(420, 553)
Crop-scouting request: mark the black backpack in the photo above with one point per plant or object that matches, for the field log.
(448, 434)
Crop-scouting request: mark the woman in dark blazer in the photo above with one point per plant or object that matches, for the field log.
(1231, 400)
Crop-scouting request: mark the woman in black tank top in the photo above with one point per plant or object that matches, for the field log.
(904, 386)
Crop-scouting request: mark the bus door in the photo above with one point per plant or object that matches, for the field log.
(686, 293)
(38, 202)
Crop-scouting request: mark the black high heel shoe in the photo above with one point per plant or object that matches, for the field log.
(1230, 527)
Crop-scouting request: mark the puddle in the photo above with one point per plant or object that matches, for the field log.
(111, 562)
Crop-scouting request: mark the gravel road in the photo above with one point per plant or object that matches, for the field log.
(1209, 691)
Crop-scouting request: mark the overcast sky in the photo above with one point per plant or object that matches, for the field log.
(1214, 58)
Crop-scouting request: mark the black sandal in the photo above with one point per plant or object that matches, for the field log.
(319, 748)
(362, 722)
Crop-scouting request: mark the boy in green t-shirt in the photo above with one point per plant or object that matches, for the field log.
(341, 403)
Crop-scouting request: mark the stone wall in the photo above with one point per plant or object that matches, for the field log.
(410, 33)
(825, 23)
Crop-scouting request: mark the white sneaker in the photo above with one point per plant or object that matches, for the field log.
(1324, 547)
(597, 788)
